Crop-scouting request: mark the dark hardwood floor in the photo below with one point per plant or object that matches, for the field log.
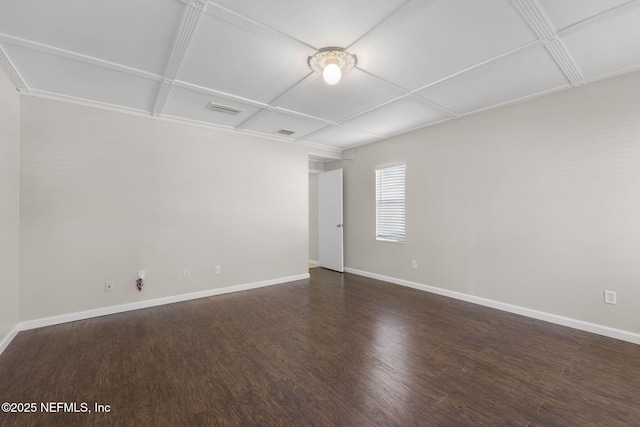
(336, 350)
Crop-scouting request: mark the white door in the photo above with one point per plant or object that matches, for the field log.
(330, 226)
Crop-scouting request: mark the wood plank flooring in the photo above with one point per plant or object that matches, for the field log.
(335, 350)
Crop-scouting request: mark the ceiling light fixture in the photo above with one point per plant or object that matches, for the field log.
(332, 62)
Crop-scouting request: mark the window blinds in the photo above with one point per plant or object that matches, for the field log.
(390, 204)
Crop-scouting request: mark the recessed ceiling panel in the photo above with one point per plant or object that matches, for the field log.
(608, 46)
(441, 38)
(567, 12)
(71, 78)
(269, 122)
(317, 23)
(192, 105)
(138, 34)
(532, 71)
(227, 58)
(396, 117)
(464, 55)
(342, 137)
(357, 91)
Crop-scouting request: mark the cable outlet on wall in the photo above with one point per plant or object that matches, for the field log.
(609, 297)
(217, 269)
(187, 273)
(108, 287)
(414, 264)
(140, 274)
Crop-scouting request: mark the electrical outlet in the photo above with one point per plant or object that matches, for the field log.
(108, 287)
(609, 297)
(217, 269)
(141, 274)
(414, 264)
(187, 273)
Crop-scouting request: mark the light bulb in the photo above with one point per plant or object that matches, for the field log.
(332, 74)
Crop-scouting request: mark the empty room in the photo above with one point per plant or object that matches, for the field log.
(337, 213)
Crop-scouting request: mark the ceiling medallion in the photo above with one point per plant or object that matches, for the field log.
(332, 62)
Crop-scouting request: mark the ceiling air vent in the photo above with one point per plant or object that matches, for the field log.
(285, 132)
(222, 108)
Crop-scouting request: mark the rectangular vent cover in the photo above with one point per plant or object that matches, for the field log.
(222, 108)
(285, 132)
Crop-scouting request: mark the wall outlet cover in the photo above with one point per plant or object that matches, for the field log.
(609, 297)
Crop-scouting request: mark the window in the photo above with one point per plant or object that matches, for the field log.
(390, 204)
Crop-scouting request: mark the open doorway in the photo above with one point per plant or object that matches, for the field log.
(317, 165)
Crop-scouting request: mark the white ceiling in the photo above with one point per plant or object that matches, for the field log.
(420, 62)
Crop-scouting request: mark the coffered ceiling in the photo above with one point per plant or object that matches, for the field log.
(420, 62)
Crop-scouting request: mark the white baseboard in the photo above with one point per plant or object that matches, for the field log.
(552, 318)
(619, 334)
(312, 262)
(81, 315)
(6, 340)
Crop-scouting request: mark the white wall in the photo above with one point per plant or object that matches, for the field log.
(313, 217)
(331, 166)
(105, 194)
(535, 205)
(9, 215)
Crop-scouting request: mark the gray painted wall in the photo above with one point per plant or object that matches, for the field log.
(535, 204)
(313, 217)
(9, 202)
(105, 194)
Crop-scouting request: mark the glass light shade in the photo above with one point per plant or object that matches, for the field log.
(332, 74)
(332, 62)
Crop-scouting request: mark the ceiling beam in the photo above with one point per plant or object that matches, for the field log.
(190, 21)
(541, 26)
(12, 72)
